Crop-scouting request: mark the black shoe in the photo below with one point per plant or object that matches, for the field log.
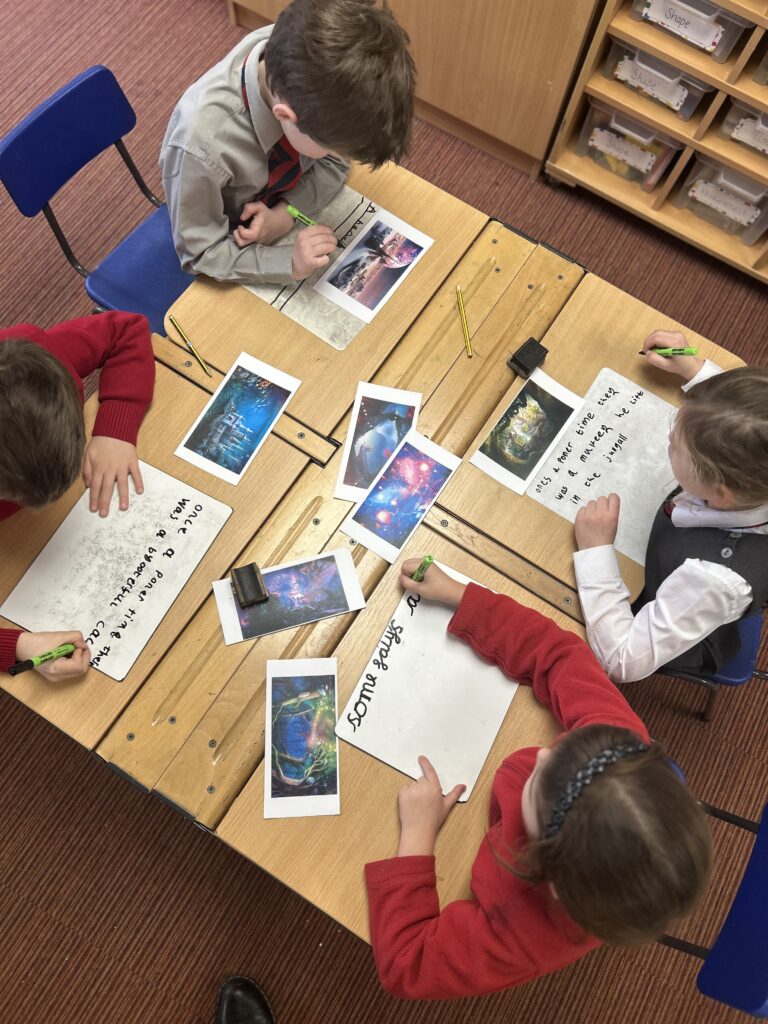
(241, 1001)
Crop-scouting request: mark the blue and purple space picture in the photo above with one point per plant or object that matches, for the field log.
(402, 496)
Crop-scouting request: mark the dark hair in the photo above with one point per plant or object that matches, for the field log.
(634, 850)
(42, 433)
(723, 423)
(344, 68)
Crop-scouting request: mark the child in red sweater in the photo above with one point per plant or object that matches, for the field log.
(42, 433)
(592, 839)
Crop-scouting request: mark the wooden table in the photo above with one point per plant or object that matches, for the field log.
(188, 721)
(215, 693)
(223, 320)
(328, 869)
(600, 326)
(85, 708)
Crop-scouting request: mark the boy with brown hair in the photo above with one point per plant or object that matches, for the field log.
(42, 433)
(277, 121)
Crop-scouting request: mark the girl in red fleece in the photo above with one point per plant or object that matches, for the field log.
(42, 434)
(594, 839)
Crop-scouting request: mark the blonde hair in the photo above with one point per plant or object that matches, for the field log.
(723, 423)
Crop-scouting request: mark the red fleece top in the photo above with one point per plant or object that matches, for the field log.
(512, 931)
(119, 344)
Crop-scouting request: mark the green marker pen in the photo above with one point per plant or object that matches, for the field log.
(425, 563)
(671, 351)
(63, 651)
(299, 216)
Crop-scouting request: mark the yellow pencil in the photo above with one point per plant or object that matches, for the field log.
(463, 316)
(189, 344)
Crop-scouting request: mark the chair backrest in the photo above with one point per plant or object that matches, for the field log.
(736, 970)
(61, 136)
(741, 667)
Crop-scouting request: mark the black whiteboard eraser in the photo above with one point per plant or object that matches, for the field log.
(248, 584)
(530, 355)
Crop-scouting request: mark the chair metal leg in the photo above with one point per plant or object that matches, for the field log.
(61, 239)
(709, 707)
(136, 173)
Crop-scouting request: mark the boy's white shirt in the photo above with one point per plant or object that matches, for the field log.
(691, 602)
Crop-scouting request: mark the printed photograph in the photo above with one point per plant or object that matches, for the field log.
(402, 496)
(237, 420)
(367, 273)
(298, 593)
(380, 428)
(526, 430)
(374, 264)
(304, 745)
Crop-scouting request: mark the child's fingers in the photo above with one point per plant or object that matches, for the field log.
(251, 209)
(614, 504)
(96, 479)
(138, 481)
(410, 565)
(664, 339)
(450, 798)
(122, 490)
(427, 770)
(105, 494)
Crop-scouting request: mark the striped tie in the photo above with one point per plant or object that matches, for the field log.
(284, 167)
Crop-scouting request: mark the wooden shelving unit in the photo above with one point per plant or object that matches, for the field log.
(698, 135)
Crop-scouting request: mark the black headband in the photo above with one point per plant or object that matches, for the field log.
(595, 766)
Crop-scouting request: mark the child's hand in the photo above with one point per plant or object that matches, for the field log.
(312, 250)
(436, 585)
(108, 460)
(266, 225)
(597, 522)
(423, 809)
(29, 644)
(684, 366)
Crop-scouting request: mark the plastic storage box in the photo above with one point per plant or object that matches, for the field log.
(761, 73)
(729, 200)
(747, 126)
(661, 82)
(629, 148)
(704, 25)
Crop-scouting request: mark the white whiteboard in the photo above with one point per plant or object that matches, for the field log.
(424, 691)
(617, 441)
(115, 578)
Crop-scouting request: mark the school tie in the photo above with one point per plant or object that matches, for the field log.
(283, 164)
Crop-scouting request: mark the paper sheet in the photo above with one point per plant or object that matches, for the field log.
(617, 441)
(425, 692)
(115, 578)
(349, 213)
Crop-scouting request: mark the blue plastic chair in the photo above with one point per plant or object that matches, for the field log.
(735, 969)
(740, 669)
(142, 274)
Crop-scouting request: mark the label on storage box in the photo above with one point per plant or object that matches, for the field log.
(685, 23)
(724, 202)
(614, 145)
(750, 130)
(672, 94)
